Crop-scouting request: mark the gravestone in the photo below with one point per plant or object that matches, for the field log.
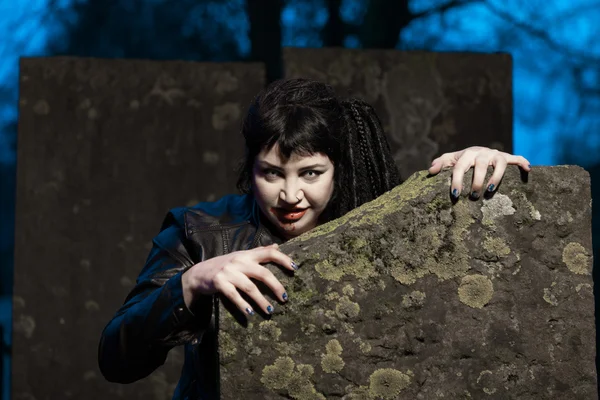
(414, 296)
(429, 103)
(105, 148)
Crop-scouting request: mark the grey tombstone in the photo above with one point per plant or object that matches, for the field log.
(429, 103)
(105, 148)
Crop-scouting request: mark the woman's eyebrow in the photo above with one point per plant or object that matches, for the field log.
(268, 164)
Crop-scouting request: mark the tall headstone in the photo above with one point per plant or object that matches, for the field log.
(105, 148)
(429, 103)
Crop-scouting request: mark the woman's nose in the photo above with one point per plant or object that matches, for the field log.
(291, 193)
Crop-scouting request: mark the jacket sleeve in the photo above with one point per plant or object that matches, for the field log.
(154, 317)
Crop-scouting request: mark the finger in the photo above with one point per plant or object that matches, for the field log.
(272, 254)
(462, 165)
(261, 273)
(446, 160)
(243, 283)
(230, 291)
(518, 160)
(481, 166)
(499, 163)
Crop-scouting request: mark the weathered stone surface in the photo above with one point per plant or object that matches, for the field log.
(429, 103)
(106, 147)
(414, 297)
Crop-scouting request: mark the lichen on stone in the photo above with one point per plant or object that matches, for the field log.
(549, 297)
(577, 258)
(226, 344)
(414, 299)
(348, 290)
(498, 206)
(288, 349)
(359, 266)
(475, 290)
(387, 383)
(269, 331)
(278, 375)
(364, 347)
(346, 308)
(331, 362)
(496, 246)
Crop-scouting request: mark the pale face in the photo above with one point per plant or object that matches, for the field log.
(302, 185)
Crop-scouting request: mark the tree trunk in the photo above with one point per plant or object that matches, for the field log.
(383, 23)
(265, 35)
(333, 33)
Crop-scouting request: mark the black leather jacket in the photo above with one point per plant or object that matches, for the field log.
(154, 317)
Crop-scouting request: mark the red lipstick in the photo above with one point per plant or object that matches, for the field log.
(291, 215)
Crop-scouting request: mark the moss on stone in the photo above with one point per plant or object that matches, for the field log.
(475, 290)
(387, 383)
(577, 258)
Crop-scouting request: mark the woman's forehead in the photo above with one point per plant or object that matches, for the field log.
(274, 156)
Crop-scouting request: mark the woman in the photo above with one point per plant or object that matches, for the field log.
(310, 158)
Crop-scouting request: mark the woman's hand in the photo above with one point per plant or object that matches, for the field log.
(230, 273)
(480, 158)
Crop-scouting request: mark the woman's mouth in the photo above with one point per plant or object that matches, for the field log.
(289, 215)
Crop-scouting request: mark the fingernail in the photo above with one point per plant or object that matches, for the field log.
(294, 266)
(284, 297)
(529, 166)
(491, 187)
(474, 195)
(455, 193)
(270, 309)
(250, 311)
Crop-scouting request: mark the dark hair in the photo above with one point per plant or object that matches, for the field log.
(306, 117)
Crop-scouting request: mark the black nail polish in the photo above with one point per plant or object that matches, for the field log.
(491, 187)
(474, 195)
(250, 311)
(270, 309)
(284, 297)
(294, 266)
(529, 166)
(455, 193)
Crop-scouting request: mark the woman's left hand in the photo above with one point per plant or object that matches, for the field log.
(480, 158)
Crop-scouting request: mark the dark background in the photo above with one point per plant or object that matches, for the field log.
(556, 59)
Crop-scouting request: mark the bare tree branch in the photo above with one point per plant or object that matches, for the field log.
(542, 35)
(443, 8)
(575, 12)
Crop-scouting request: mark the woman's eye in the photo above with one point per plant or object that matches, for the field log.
(313, 174)
(270, 173)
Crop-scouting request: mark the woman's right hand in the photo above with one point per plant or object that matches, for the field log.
(231, 272)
